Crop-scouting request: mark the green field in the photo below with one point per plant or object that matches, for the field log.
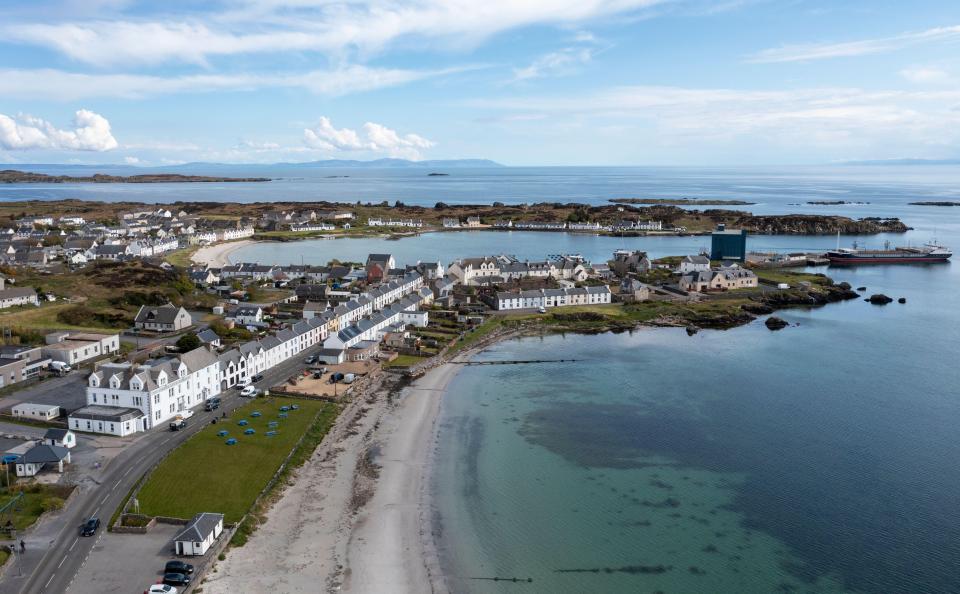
(205, 474)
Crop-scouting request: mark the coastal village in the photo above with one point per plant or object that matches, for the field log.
(120, 334)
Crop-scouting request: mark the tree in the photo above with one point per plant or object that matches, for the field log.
(188, 342)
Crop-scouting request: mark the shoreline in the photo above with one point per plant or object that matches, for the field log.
(218, 255)
(358, 516)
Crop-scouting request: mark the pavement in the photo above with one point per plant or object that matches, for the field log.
(105, 474)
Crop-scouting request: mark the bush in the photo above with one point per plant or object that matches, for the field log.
(188, 342)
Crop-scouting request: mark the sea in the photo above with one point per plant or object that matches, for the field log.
(819, 458)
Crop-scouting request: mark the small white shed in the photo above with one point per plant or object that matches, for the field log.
(199, 535)
(60, 437)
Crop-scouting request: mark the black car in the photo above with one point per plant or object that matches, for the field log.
(211, 404)
(176, 579)
(90, 527)
(176, 566)
(178, 425)
(257, 378)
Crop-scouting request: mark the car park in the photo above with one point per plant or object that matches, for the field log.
(177, 566)
(176, 579)
(90, 527)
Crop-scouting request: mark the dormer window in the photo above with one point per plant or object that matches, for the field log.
(114, 383)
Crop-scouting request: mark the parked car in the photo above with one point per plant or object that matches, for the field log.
(186, 413)
(211, 404)
(317, 374)
(257, 377)
(178, 424)
(542, 310)
(160, 589)
(176, 579)
(249, 391)
(310, 360)
(177, 566)
(90, 527)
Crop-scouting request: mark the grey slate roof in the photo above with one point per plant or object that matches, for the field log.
(43, 453)
(201, 526)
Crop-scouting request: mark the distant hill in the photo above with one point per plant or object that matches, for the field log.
(905, 162)
(123, 169)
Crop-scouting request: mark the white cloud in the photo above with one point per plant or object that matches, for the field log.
(71, 86)
(258, 145)
(263, 26)
(926, 75)
(91, 132)
(557, 63)
(375, 138)
(820, 51)
(132, 160)
(825, 118)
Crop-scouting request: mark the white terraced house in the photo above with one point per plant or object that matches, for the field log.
(124, 398)
(548, 298)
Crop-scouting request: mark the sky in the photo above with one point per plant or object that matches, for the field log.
(522, 82)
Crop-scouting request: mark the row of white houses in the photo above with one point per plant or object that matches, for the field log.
(547, 298)
(125, 398)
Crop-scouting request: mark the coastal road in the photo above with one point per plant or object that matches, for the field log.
(66, 552)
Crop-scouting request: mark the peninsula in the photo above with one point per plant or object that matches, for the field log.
(681, 201)
(13, 176)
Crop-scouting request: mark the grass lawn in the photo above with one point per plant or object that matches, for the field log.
(36, 500)
(791, 277)
(405, 361)
(181, 257)
(205, 474)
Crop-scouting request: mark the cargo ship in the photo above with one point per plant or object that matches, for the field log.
(931, 252)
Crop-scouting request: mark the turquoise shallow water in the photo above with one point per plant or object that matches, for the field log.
(819, 458)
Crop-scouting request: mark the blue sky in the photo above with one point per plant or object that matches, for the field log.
(523, 82)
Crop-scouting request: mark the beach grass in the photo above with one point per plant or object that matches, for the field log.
(205, 474)
(405, 361)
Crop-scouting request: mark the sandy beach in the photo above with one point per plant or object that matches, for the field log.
(218, 255)
(356, 518)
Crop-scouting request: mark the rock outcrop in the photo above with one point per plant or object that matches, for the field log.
(879, 299)
(775, 323)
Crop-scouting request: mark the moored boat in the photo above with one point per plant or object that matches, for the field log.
(928, 253)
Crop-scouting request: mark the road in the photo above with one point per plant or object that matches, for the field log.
(55, 569)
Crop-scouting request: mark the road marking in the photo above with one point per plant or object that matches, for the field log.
(116, 484)
(104, 500)
(128, 471)
(47, 585)
(75, 541)
(59, 565)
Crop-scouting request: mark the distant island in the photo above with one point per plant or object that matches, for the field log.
(681, 201)
(834, 202)
(12, 176)
(437, 174)
(935, 203)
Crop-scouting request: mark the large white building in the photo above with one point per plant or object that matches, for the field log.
(140, 397)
